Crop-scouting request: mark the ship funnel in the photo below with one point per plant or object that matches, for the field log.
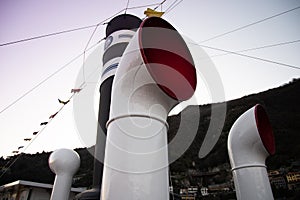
(250, 142)
(155, 73)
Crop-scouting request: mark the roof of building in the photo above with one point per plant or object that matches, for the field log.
(35, 184)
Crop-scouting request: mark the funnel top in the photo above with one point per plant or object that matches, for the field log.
(264, 129)
(123, 22)
(64, 161)
(167, 58)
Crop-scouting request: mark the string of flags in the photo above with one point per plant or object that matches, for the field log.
(44, 123)
(149, 12)
(63, 102)
(52, 116)
(74, 91)
(20, 147)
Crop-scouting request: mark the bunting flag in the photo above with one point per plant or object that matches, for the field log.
(152, 13)
(75, 90)
(63, 102)
(52, 116)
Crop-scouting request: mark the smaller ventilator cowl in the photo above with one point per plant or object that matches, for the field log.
(250, 142)
(251, 138)
(64, 163)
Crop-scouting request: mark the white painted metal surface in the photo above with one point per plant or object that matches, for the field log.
(250, 142)
(64, 163)
(136, 156)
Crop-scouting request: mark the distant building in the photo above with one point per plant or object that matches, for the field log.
(27, 190)
(204, 191)
(189, 193)
(278, 182)
(193, 190)
(293, 179)
(277, 179)
(273, 173)
(219, 188)
(188, 197)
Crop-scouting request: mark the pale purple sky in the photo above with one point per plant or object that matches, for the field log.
(25, 64)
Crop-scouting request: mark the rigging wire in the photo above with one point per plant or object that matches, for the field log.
(127, 6)
(170, 6)
(248, 25)
(46, 79)
(6, 167)
(84, 51)
(47, 35)
(75, 29)
(9, 164)
(60, 69)
(51, 34)
(174, 4)
(248, 56)
(82, 85)
(160, 4)
(148, 5)
(258, 48)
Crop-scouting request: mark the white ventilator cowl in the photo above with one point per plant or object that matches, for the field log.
(156, 72)
(64, 163)
(250, 142)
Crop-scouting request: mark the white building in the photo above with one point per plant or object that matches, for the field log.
(27, 190)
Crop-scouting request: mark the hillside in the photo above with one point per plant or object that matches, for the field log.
(283, 110)
(280, 103)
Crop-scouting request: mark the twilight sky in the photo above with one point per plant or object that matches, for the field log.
(26, 64)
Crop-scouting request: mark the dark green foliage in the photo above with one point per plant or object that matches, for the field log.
(35, 168)
(29, 167)
(281, 104)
